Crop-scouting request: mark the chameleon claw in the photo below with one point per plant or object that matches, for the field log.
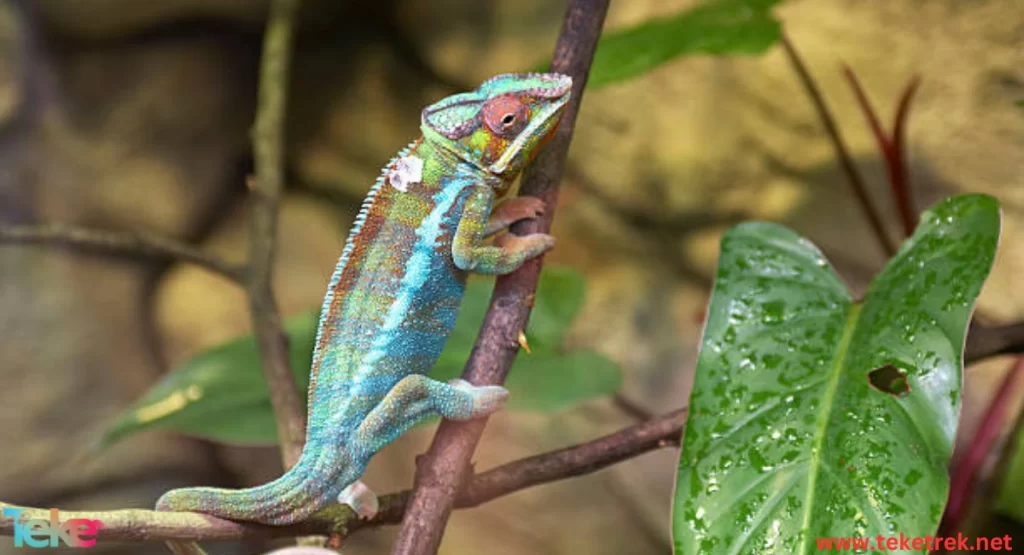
(361, 498)
(523, 343)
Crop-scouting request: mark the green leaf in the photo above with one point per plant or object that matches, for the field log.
(716, 27)
(1008, 501)
(788, 439)
(221, 394)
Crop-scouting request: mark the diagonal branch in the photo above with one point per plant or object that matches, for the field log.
(585, 458)
(845, 160)
(131, 244)
(444, 469)
(266, 187)
(984, 341)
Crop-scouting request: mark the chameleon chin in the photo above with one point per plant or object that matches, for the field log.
(395, 293)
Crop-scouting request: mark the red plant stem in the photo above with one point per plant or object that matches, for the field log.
(869, 111)
(966, 470)
(892, 148)
(845, 160)
(899, 173)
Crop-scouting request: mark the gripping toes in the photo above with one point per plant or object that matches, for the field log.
(487, 399)
(361, 498)
(530, 246)
(514, 210)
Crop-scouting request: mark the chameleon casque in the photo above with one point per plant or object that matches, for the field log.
(396, 291)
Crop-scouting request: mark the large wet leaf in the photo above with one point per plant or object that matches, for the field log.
(816, 416)
(715, 27)
(220, 394)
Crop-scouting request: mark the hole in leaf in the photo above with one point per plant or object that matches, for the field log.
(890, 379)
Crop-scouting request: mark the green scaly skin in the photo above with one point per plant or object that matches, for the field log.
(394, 296)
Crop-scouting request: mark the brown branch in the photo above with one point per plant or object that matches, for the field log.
(122, 243)
(845, 160)
(658, 432)
(266, 187)
(585, 458)
(989, 341)
(444, 469)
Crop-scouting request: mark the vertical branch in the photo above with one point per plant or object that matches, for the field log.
(266, 186)
(845, 160)
(445, 468)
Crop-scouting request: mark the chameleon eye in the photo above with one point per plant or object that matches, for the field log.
(505, 115)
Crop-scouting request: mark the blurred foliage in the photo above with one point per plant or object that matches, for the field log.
(716, 27)
(787, 422)
(220, 394)
(1010, 499)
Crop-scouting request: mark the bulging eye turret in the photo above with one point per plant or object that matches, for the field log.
(506, 115)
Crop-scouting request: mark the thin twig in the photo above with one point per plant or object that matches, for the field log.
(133, 244)
(585, 458)
(266, 187)
(445, 468)
(845, 160)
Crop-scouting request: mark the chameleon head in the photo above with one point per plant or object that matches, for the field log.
(500, 126)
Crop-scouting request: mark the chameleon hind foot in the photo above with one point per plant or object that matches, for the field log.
(486, 399)
(361, 498)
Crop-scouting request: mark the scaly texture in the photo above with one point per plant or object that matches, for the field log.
(394, 296)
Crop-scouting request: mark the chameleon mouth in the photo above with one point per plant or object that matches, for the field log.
(560, 90)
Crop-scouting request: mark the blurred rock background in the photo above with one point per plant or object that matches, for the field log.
(134, 115)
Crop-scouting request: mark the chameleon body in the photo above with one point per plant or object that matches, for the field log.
(396, 291)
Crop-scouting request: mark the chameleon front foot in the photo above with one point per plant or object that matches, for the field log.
(514, 210)
(361, 498)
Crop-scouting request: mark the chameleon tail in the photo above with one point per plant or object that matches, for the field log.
(310, 485)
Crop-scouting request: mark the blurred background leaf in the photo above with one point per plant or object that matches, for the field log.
(1010, 499)
(716, 27)
(220, 394)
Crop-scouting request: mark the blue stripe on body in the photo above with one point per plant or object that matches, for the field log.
(402, 346)
(357, 226)
(422, 266)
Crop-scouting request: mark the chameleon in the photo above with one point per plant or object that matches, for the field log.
(395, 294)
